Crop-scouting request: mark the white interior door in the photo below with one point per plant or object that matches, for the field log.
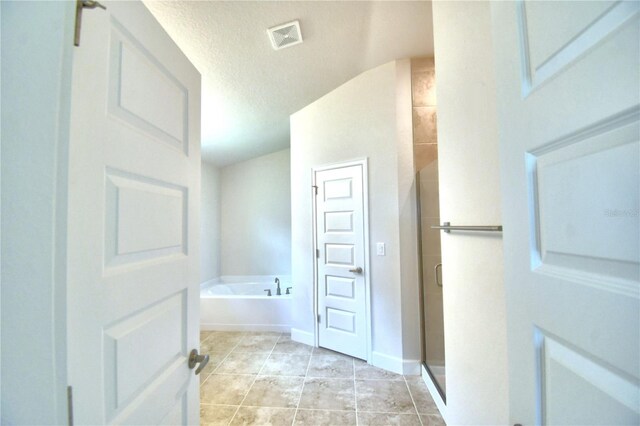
(133, 222)
(568, 95)
(341, 282)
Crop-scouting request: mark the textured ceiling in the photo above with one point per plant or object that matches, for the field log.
(249, 89)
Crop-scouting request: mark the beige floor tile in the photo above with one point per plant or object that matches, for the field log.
(432, 420)
(316, 381)
(220, 342)
(242, 363)
(264, 416)
(216, 415)
(257, 343)
(204, 334)
(325, 418)
(286, 345)
(263, 333)
(330, 366)
(421, 396)
(387, 396)
(225, 389)
(215, 358)
(328, 394)
(282, 364)
(274, 391)
(380, 419)
(325, 351)
(369, 372)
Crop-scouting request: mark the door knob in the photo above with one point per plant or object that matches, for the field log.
(194, 359)
(357, 270)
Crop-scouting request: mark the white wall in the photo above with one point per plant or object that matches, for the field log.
(474, 303)
(209, 222)
(37, 44)
(369, 116)
(256, 216)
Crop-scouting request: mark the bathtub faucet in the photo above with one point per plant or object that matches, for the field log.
(278, 292)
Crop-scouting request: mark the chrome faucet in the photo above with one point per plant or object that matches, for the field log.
(278, 292)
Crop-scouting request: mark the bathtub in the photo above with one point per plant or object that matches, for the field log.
(239, 303)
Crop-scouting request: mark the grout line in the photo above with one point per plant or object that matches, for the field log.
(223, 359)
(304, 380)
(355, 391)
(415, 407)
(254, 380)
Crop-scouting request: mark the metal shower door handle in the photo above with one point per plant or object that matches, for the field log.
(435, 272)
(357, 270)
(194, 359)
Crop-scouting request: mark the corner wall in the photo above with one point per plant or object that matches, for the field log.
(364, 118)
(255, 214)
(474, 301)
(209, 222)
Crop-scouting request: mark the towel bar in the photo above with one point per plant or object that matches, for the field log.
(447, 227)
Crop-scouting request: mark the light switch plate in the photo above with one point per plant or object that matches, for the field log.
(380, 250)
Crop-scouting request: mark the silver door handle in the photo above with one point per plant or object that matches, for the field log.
(194, 359)
(357, 270)
(89, 4)
(435, 272)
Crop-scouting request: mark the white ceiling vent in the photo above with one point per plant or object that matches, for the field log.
(285, 35)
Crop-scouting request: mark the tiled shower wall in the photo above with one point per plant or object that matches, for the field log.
(425, 158)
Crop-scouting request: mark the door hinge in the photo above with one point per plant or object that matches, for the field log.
(315, 189)
(70, 405)
(80, 5)
(319, 319)
(318, 253)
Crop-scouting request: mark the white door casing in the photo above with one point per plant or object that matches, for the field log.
(341, 289)
(568, 100)
(133, 222)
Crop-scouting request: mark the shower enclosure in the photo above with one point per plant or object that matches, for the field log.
(425, 160)
(433, 356)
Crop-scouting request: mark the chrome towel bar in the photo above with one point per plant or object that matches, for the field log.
(446, 227)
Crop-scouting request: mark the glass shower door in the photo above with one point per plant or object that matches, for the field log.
(433, 352)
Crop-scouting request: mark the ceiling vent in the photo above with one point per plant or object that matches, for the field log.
(285, 35)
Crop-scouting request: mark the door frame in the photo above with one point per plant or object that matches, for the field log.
(363, 162)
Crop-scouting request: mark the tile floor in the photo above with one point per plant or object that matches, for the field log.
(268, 379)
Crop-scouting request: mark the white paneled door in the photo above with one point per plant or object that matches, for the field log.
(569, 112)
(341, 252)
(133, 222)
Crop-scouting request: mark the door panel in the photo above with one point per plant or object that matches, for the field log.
(340, 240)
(133, 201)
(145, 93)
(569, 109)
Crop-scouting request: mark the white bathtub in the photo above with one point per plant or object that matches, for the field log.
(239, 303)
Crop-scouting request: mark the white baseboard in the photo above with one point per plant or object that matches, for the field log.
(281, 328)
(301, 336)
(411, 367)
(395, 364)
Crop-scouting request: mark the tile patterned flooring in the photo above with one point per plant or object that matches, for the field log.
(268, 379)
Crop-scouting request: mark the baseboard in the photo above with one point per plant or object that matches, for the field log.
(301, 336)
(386, 362)
(281, 328)
(397, 365)
(411, 367)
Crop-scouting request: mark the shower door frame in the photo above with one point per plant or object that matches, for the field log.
(422, 307)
